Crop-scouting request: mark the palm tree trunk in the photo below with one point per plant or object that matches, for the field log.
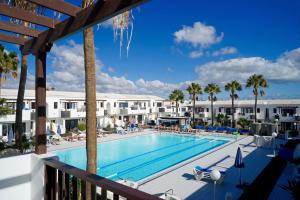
(90, 90)
(20, 99)
(255, 109)
(194, 102)
(0, 84)
(232, 111)
(176, 108)
(212, 109)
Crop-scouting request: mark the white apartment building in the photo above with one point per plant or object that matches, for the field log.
(286, 111)
(67, 109)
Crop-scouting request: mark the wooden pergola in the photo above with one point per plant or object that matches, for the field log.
(39, 42)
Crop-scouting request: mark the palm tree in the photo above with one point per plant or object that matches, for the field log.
(258, 82)
(212, 89)
(90, 90)
(233, 87)
(8, 65)
(244, 123)
(221, 118)
(194, 89)
(177, 96)
(25, 5)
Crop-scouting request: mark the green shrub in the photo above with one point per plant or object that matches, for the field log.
(82, 126)
(2, 146)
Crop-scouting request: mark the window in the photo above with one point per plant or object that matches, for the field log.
(120, 117)
(228, 111)
(161, 110)
(32, 105)
(274, 110)
(159, 104)
(115, 105)
(123, 105)
(258, 110)
(220, 109)
(207, 109)
(183, 109)
(55, 105)
(101, 104)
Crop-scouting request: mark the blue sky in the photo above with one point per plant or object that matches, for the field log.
(179, 42)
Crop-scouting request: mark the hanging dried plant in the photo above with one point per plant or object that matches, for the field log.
(123, 23)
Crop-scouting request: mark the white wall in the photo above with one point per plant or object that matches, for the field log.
(21, 177)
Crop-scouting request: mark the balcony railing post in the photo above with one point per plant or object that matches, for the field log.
(82, 190)
(50, 182)
(60, 185)
(67, 186)
(74, 188)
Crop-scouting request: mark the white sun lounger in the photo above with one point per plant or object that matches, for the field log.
(204, 173)
(121, 131)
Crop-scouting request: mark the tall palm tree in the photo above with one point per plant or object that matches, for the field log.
(257, 82)
(212, 89)
(177, 96)
(8, 65)
(194, 89)
(25, 5)
(233, 87)
(90, 90)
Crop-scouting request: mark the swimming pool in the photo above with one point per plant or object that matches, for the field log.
(138, 157)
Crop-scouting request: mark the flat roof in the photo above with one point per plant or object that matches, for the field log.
(30, 94)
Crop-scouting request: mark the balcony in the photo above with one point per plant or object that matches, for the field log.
(61, 183)
(123, 111)
(65, 114)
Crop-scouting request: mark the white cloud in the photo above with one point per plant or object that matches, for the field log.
(285, 68)
(67, 73)
(196, 54)
(199, 35)
(225, 51)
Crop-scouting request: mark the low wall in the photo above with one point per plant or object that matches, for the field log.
(21, 177)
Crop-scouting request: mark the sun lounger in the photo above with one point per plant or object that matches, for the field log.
(204, 173)
(168, 195)
(121, 131)
(244, 131)
(211, 128)
(221, 129)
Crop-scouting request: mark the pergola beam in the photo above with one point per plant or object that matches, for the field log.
(12, 39)
(27, 16)
(19, 29)
(58, 5)
(96, 13)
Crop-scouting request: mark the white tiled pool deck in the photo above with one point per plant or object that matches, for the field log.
(185, 186)
(181, 179)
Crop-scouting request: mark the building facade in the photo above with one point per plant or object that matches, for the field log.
(67, 109)
(287, 112)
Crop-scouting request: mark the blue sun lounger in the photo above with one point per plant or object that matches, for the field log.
(204, 173)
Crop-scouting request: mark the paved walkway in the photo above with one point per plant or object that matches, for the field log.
(184, 185)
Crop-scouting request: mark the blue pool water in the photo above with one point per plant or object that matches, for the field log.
(138, 157)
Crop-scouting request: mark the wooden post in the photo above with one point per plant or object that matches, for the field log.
(40, 99)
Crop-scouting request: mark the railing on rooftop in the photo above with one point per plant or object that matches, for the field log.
(67, 182)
